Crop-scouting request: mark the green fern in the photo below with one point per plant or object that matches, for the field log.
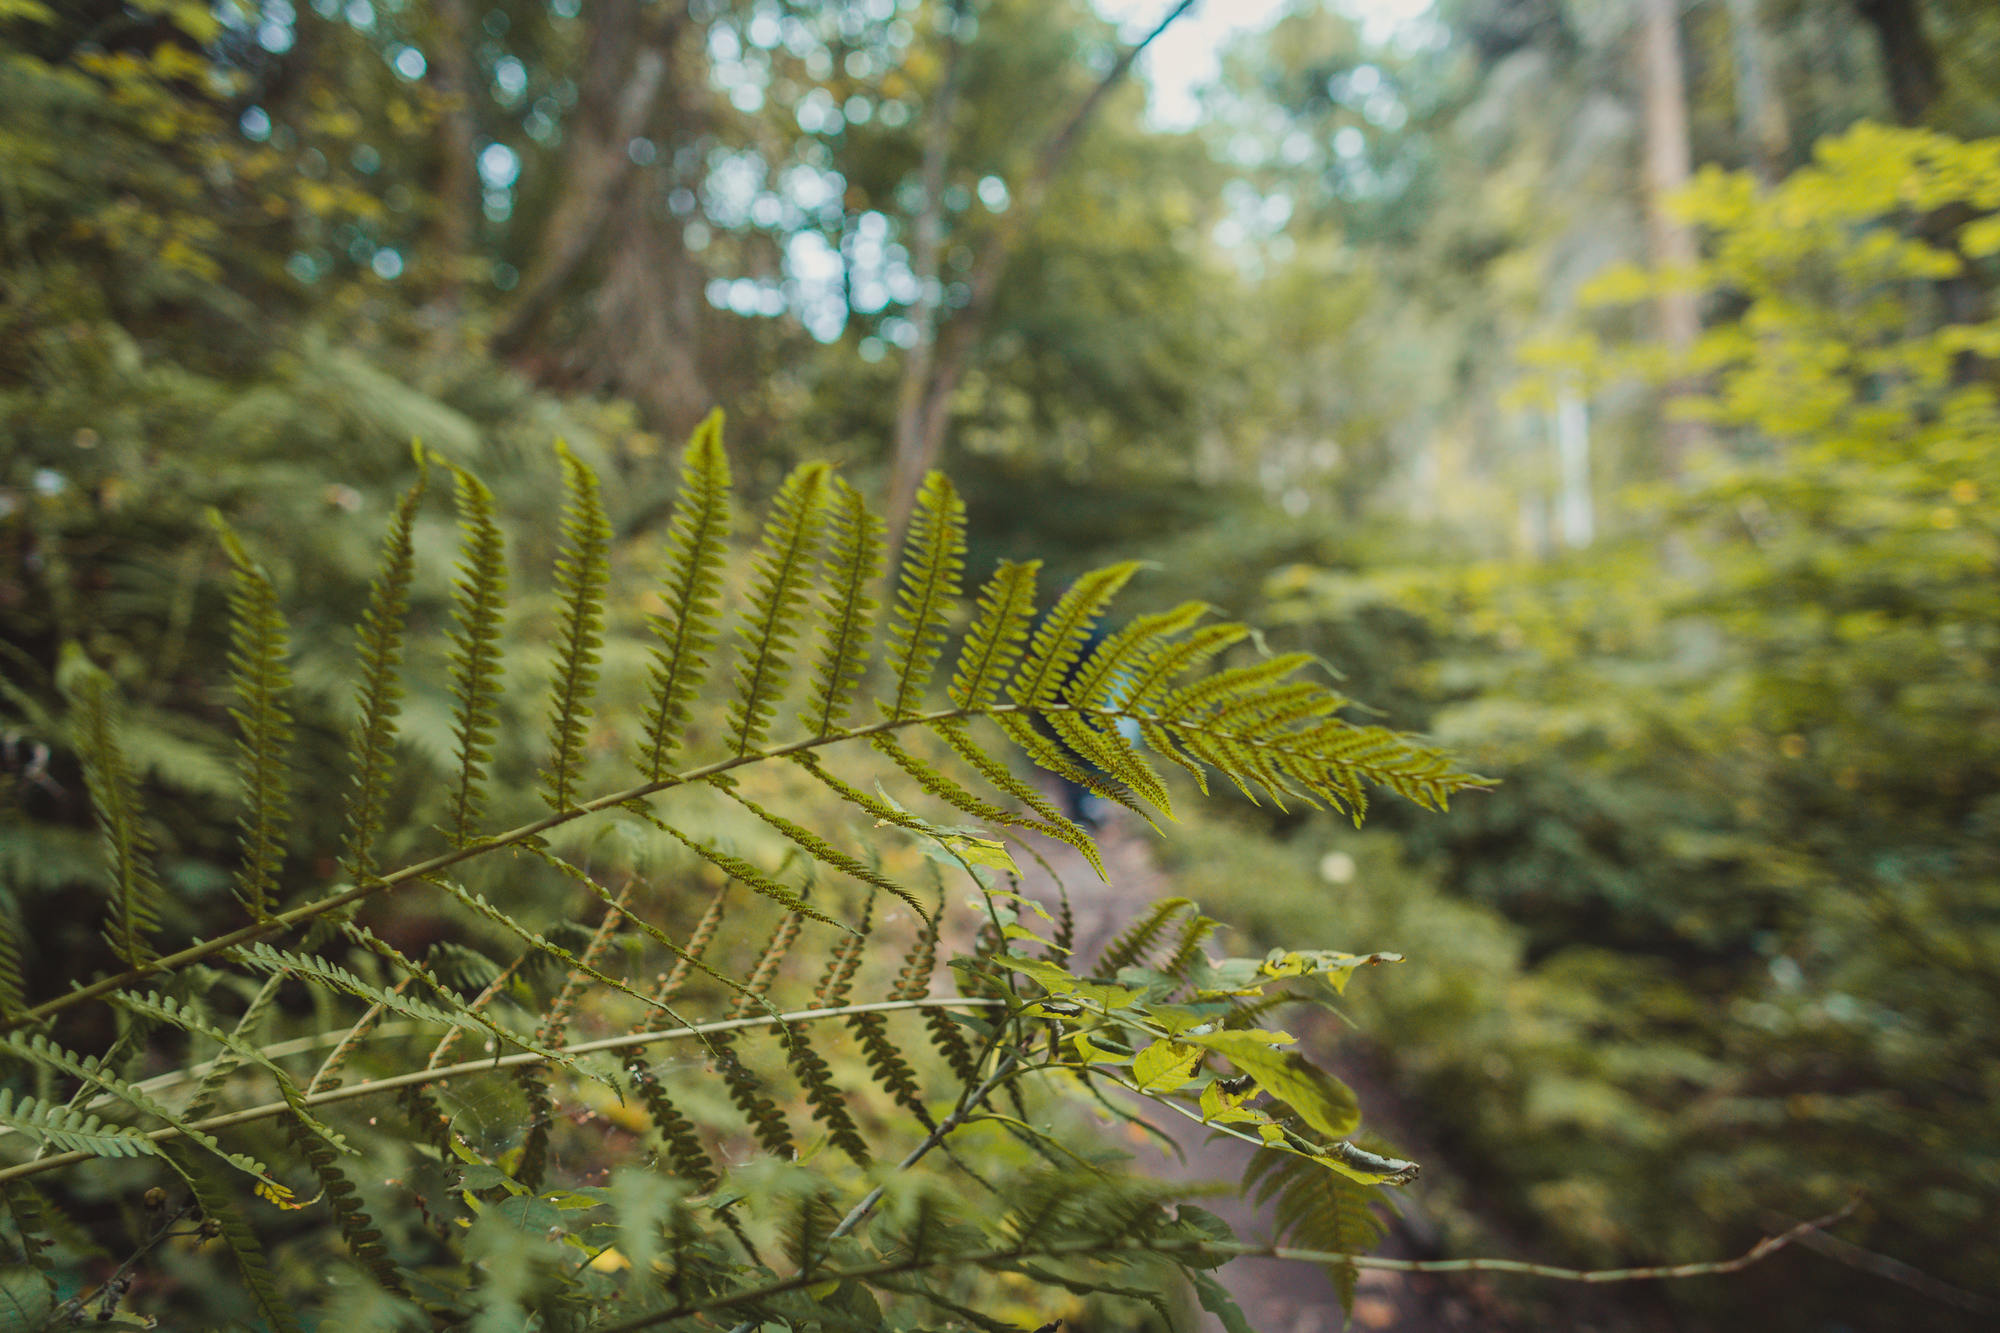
(780, 584)
(805, 629)
(583, 572)
(257, 651)
(378, 695)
(697, 553)
(475, 651)
(933, 566)
(136, 895)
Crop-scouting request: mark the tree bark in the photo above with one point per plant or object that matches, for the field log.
(1909, 61)
(453, 229)
(916, 452)
(1672, 242)
(624, 74)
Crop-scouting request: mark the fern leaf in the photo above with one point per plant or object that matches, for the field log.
(1050, 821)
(745, 1090)
(1060, 637)
(836, 982)
(783, 936)
(683, 1145)
(829, 1104)
(583, 572)
(121, 819)
(36, 1049)
(13, 982)
(71, 1129)
(378, 696)
(186, 1017)
(739, 869)
(475, 651)
(847, 609)
(933, 564)
(357, 1229)
(780, 576)
(1316, 1209)
(534, 1079)
(219, 1208)
(258, 643)
(824, 851)
(687, 957)
(1131, 946)
(886, 1062)
(30, 1212)
(698, 549)
(995, 642)
(273, 961)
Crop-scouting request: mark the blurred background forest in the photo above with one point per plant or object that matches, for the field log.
(1605, 387)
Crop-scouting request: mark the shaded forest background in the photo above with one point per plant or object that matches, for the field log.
(1676, 516)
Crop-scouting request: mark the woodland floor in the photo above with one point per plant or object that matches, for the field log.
(1278, 1296)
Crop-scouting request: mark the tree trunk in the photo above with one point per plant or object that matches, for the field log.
(916, 452)
(1909, 62)
(642, 340)
(1672, 241)
(453, 230)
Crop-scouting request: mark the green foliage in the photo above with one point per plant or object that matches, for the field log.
(798, 1237)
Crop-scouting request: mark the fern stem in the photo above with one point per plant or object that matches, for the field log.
(1222, 1250)
(283, 921)
(420, 1077)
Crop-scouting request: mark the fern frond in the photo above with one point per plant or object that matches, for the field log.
(932, 566)
(1317, 1209)
(378, 696)
(273, 961)
(838, 979)
(890, 1068)
(357, 1229)
(746, 1091)
(684, 1148)
(1131, 946)
(1195, 931)
(583, 572)
(697, 551)
(769, 959)
(30, 1212)
(739, 869)
(1050, 821)
(188, 1018)
(72, 1129)
(481, 591)
(1060, 636)
(853, 561)
(780, 575)
(997, 637)
(688, 957)
(121, 819)
(534, 1079)
(218, 1207)
(823, 851)
(828, 1102)
(13, 983)
(258, 644)
(39, 1051)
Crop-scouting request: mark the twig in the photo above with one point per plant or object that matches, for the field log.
(421, 1077)
(1209, 1249)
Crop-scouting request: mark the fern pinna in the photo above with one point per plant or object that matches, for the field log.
(251, 1065)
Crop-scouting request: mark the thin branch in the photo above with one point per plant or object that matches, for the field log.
(1208, 1249)
(422, 1077)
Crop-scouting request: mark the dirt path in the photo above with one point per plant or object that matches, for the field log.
(1276, 1296)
